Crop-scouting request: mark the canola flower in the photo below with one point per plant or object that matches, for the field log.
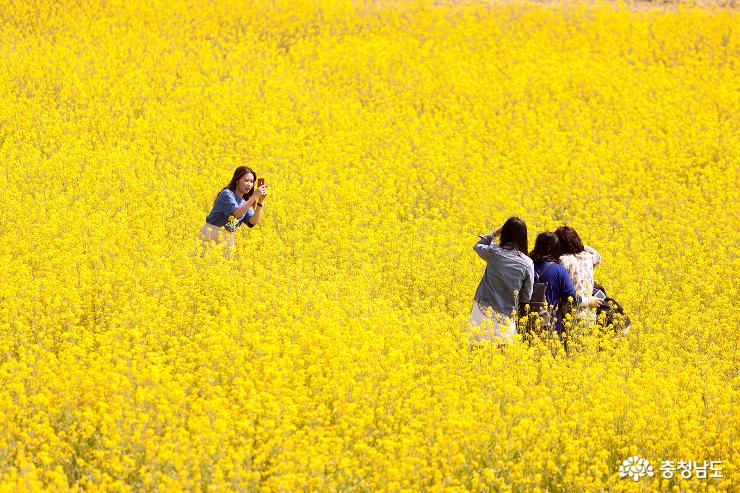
(328, 351)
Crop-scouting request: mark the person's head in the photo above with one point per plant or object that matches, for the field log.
(546, 248)
(570, 242)
(242, 182)
(514, 235)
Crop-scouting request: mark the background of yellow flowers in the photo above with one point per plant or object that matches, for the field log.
(329, 352)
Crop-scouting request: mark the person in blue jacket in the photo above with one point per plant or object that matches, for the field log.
(239, 202)
(548, 269)
(506, 281)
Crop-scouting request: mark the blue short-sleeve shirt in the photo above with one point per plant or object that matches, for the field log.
(226, 203)
(559, 286)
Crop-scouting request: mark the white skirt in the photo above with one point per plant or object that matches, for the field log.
(490, 325)
(209, 232)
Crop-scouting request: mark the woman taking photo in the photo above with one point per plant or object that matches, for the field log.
(238, 203)
(548, 269)
(508, 275)
(580, 261)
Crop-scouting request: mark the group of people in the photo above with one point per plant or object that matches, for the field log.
(559, 259)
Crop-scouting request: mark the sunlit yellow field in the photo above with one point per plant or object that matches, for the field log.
(329, 351)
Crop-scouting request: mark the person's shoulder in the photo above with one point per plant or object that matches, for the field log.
(547, 264)
(526, 260)
(591, 252)
(567, 261)
(228, 195)
(587, 254)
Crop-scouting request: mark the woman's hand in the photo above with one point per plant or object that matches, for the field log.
(495, 233)
(259, 197)
(595, 303)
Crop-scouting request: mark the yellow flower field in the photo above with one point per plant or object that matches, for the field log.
(328, 351)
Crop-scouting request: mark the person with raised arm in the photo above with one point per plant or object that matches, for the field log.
(506, 282)
(239, 202)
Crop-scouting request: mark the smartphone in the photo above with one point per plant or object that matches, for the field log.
(599, 294)
(260, 182)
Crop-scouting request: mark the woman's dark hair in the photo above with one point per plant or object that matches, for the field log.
(546, 248)
(570, 242)
(238, 173)
(514, 235)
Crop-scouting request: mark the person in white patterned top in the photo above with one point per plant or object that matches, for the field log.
(580, 261)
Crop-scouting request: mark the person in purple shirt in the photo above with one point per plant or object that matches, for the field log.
(547, 268)
(239, 202)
